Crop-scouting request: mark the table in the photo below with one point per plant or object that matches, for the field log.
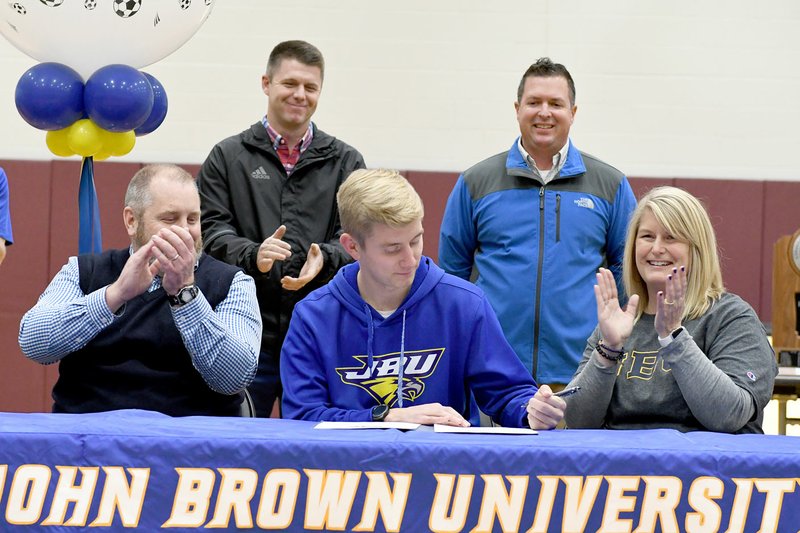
(787, 387)
(138, 469)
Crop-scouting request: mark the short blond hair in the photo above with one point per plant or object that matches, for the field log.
(376, 196)
(683, 216)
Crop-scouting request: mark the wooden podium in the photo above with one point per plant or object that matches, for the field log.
(786, 294)
(786, 323)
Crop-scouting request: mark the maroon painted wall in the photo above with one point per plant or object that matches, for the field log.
(749, 216)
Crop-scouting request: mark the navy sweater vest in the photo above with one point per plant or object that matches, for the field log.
(140, 361)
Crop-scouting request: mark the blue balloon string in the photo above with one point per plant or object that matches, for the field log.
(90, 239)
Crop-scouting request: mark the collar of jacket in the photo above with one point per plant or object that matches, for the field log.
(573, 166)
(321, 145)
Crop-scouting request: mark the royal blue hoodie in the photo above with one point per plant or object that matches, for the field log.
(341, 357)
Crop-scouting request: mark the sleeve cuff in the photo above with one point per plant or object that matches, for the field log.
(665, 341)
(187, 316)
(98, 308)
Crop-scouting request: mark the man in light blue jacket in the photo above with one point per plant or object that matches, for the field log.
(533, 224)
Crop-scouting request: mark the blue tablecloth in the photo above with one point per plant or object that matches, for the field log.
(137, 469)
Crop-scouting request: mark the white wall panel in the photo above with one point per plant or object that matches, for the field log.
(685, 88)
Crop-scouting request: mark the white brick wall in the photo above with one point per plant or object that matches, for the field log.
(681, 88)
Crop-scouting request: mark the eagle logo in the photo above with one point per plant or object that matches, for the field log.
(381, 380)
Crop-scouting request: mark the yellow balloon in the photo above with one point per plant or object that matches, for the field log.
(84, 137)
(100, 156)
(57, 142)
(117, 144)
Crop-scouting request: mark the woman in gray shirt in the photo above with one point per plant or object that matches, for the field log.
(684, 353)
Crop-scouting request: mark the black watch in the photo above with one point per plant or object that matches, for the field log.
(184, 296)
(379, 412)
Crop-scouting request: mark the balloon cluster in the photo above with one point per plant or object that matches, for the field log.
(100, 118)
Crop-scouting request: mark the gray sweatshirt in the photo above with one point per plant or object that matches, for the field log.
(716, 375)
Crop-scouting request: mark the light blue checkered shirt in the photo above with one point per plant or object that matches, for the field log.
(224, 343)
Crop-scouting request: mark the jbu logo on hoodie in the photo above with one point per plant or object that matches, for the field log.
(381, 380)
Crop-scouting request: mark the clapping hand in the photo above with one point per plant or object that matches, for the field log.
(174, 251)
(274, 248)
(615, 323)
(671, 303)
(311, 268)
(169, 253)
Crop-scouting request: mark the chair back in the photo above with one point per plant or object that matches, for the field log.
(248, 410)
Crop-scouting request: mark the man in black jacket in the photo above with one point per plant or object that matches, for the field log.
(269, 201)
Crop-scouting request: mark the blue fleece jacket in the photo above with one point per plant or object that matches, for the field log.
(341, 358)
(535, 248)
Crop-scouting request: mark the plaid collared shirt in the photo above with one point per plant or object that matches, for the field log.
(288, 160)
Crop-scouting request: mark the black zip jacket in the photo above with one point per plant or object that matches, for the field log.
(245, 195)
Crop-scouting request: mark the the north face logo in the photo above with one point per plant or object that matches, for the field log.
(585, 202)
(259, 174)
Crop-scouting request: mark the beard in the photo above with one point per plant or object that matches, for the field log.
(140, 238)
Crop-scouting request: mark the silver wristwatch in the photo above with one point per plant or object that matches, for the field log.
(184, 296)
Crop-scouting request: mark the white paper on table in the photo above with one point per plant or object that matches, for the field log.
(367, 425)
(496, 430)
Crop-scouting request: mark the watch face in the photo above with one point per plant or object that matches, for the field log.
(794, 252)
(185, 295)
(379, 412)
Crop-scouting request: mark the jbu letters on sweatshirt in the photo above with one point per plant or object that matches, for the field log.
(380, 381)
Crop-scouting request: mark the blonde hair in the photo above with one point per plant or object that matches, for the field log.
(376, 196)
(683, 216)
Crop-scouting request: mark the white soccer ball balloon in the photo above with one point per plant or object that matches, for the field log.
(89, 34)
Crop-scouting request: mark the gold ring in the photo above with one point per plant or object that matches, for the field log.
(669, 303)
(176, 257)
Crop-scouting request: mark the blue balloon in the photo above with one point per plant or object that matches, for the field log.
(49, 96)
(159, 107)
(118, 98)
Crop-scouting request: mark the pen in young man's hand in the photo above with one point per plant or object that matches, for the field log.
(567, 392)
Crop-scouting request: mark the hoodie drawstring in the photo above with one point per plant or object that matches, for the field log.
(402, 356)
(370, 336)
(370, 340)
